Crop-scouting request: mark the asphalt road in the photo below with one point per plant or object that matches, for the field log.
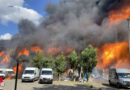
(9, 85)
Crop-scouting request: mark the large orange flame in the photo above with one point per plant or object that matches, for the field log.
(5, 60)
(1, 53)
(36, 49)
(53, 51)
(20, 68)
(120, 14)
(113, 54)
(69, 49)
(24, 51)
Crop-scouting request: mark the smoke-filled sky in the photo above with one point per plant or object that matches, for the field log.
(67, 24)
(11, 11)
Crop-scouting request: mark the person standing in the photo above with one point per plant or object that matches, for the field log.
(1, 83)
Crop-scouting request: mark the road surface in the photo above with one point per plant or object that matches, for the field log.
(9, 85)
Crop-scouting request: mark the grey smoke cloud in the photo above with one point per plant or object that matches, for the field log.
(74, 23)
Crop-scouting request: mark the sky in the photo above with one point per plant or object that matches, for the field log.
(12, 11)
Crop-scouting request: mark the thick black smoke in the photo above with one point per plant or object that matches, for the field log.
(75, 23)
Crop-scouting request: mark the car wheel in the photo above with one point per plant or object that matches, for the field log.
(40, 82)
(118, 85)
(110, 83)
(33, 80)
(51, 82)
(22, 80)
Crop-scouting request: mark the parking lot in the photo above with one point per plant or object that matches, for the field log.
(62, 85)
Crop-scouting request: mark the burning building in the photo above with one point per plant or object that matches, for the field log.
(72, 25)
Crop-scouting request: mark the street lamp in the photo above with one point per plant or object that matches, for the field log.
(129, 32)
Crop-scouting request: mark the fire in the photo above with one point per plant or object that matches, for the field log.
(36, 49)
(8, 78)
(15, 68)
(68, 50)
(5, 60)
(113, 54)
(120, 14)
(24, 51)
(1, 53)
(53, 50)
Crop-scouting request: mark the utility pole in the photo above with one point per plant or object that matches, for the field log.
(16, 77)
(129, 32)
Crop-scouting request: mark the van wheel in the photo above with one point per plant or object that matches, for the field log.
(118, 85)
(22, 81)
(40, 82)
(33, 80)
(110, 83)
(51, 82)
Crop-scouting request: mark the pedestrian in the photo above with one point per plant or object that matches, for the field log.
(1, 80)
(1, 83)
(85, 77)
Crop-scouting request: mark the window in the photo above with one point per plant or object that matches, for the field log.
(47, 72)
(1, 72)
(124, 75)
(29, 72)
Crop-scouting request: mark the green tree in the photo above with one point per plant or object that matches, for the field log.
(37, 60)
(60, 65)
(48, 62)
(88, 60)
(73, 60)
(41, 61)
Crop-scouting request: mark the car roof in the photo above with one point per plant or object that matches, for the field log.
(31, 68)
(50, 69)
(122, 70)
(2, 69)
(9, 69)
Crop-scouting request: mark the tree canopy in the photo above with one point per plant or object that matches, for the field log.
(73, 59)
(88, 59)
(60, 64)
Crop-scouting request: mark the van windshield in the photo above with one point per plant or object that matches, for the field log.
(10, 72)
(124, 75)
(29, 72)
(46, 72)
(1, 72)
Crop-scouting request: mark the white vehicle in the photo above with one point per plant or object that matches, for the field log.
(3, 73)
(46, 75)
(10, 72)
(119, 77)
(30, 74)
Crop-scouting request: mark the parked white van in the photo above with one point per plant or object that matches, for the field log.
(30, 74)
(46, 75)
(119, 77)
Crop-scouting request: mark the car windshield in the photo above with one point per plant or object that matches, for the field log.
(10, 72)
(46, 72)
(124, 75)
(1, 72)
(29, 72)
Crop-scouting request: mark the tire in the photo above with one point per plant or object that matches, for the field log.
(51, 82)
(22, 81)
(110, 83)
(33, 80)
(40, 82)
(118, 85)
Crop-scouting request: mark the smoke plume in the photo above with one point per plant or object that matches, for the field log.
(74, 23)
